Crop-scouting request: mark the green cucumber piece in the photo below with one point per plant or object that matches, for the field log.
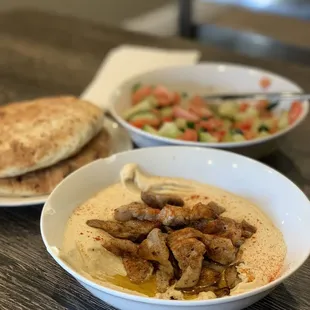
(143, 115)
(150, 129)
(166, 112)
(206, 137)
(145, 105)
(181, 123)
(190, 125)
(227, 109)
(262, 128)
(283, 120)
(169, 130)
(238, 137)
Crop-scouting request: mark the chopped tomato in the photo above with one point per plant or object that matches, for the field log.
(294, 112)
(167, 119)
(140, 123)
(243, 106)
(198, 101)
(249, 134)
(176, 98)
(182, 113)
(219, 135)
(262, 105)
(200, 111)
(141, 94)
(264, 82)
(211, 124)
(163, 95)
(189, 135)
(245, 125)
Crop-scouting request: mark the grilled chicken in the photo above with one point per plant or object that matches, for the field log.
(120, 247)
(247, 229)
(138, 270)
(133, 230)
(136, 210)
(154, 248)
(175, 216)
(158, 201)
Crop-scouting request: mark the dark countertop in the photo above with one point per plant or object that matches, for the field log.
(42, 54)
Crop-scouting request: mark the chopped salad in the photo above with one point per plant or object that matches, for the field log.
(171, 114)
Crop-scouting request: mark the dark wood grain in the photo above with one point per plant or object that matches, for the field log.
(42, 54)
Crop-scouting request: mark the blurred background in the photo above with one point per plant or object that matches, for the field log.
(286, 21)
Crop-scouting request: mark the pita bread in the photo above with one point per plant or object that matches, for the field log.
(42, 182)
(39, 133)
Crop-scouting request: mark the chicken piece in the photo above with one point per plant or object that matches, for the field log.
(247, 229)
(189, 254)
(136, 210)
(207, 226)
(208, 278)
(158, 201)
(164, 276)
(184, 233)
(154, 248)
(231, 277)
(174, 216)
(231, 230)
(223, 226)
(214, 266)
(133, 230)
(221, 292)
(219, 249)
(138, 270)
(216, 207)
(120, 247)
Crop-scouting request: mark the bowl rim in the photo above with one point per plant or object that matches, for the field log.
(185, 303)
(220, 145)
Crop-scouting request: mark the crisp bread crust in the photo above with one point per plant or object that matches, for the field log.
(42, 182)
(39, 133)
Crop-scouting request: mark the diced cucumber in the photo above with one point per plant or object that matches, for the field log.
(228, 137)
(181, 123)
(145, 105)
(169, 130)
(150, 129)
(250, 112)
(237, 137)
(206, 137)
(143, 115)
(227, 124)
(227, 109)
(263, 134)
(236, 131)
(283, 120)
(166, 112)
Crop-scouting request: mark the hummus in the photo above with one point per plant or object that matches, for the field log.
(262, 255)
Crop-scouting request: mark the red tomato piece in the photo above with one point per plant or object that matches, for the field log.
(176, 98)
(140, 123)
(264, 82)
(141, 94)
(163, 95)
(249, 134)
(211, 124)
(294, 112)
(262, 105)
(245, 125)
(198, 101)
(243, 106)
(189, 135)
(219, 135)
(182, 113)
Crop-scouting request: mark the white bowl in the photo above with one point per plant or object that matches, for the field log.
(281, 200)
(202, 79)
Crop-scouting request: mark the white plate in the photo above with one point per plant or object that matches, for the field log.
(202, 79)
(120, 142)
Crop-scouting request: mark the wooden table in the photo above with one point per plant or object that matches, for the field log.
(43, 54)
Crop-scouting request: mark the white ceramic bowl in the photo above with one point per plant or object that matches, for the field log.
(202, 79)
(281, 200)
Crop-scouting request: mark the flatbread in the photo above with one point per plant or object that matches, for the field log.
(42, 182)
(39, 133)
